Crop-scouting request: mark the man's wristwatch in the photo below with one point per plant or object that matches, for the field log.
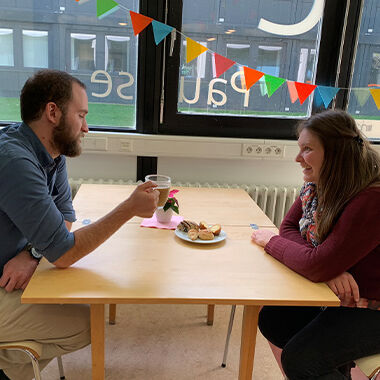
(32, 252)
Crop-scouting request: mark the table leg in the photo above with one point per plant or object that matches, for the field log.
(210, 314)
(248, 341)
(112, 314)
(97, 341)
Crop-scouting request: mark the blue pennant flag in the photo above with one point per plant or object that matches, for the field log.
(325, 95)
(160, 31)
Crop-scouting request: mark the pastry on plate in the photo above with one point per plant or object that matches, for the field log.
(187, 225)
(215, 229)
(205, 235)
(193, 234)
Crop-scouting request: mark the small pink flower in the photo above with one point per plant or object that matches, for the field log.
(172, 193)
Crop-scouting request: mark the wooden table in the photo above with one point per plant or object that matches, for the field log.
(149, 266)
(196, 204)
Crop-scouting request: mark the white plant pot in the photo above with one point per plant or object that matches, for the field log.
(164, 216)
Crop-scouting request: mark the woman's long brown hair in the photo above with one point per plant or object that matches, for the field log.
(350, 165)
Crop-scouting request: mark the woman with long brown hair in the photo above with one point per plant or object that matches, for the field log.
(331, 234)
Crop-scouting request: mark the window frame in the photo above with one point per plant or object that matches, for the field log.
(235, 126)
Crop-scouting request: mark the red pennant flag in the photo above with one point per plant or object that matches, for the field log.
(251, 76)
(139, 22)
(304, 90)
(222, 64)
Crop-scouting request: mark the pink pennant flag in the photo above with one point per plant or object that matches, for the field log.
(292, 91)
(304, 90)
(222, 64)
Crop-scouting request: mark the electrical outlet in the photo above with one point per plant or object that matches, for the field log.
(263, 150)
(252, 150)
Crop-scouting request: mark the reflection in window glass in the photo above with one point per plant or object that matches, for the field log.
(35, 48)
(236, 32)
(116, 53)
(83, 51)
(269, 59)
(197, 67)
(367, 72)
(63, 37)
(6, 43)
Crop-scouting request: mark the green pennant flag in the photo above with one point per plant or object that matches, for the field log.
(362, 95)
(105, 7)
(273, 84)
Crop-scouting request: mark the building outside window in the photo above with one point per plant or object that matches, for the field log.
(83, 51)
(117, 56)
(35, 48)
(6, 43)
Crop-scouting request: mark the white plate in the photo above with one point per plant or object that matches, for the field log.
(183, 235)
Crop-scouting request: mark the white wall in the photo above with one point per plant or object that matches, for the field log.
(190, 159)
(186, 159)
(232, 171)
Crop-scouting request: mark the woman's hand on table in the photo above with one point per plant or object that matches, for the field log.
(262, 237)
(346, 288)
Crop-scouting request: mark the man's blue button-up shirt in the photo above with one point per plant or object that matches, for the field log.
(35, 197)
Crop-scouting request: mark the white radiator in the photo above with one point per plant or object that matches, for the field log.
(275, 201)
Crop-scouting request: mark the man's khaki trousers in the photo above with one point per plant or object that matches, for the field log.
(59, 328)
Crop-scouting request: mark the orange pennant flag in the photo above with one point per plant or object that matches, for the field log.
(292, 91)
(251, 76)
(193, 49)
(304, 90)
(139, 22)
(376, 96)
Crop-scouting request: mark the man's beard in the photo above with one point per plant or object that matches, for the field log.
(63, 141)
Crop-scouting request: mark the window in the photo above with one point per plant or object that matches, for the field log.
(35, 48)
(366, 73)
(6, 43)
(83, 51)
(67, 35)
(116, 54)
(134, 84)
(283, 44)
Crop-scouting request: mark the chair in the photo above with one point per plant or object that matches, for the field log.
(33, 350)
(369, 365)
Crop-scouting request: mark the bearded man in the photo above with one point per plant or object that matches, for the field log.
(36, 215)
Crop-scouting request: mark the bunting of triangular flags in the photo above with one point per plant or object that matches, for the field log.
(160, 31)
(304, 90)
(292, 91)
(193, 49)
(222, 64)
(251, 76)
(139, 22)
(297, 90)
(273, 84)
(105, 7)
(362, 95)
(376, 96)
(326, 94)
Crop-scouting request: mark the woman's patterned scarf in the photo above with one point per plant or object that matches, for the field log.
(309, 200)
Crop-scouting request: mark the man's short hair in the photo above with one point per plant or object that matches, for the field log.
(43, 87)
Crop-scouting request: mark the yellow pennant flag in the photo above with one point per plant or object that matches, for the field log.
(376, 96)
(193, 49)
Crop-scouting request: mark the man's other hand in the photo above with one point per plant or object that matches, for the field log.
(143, 201)
(18, 271)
